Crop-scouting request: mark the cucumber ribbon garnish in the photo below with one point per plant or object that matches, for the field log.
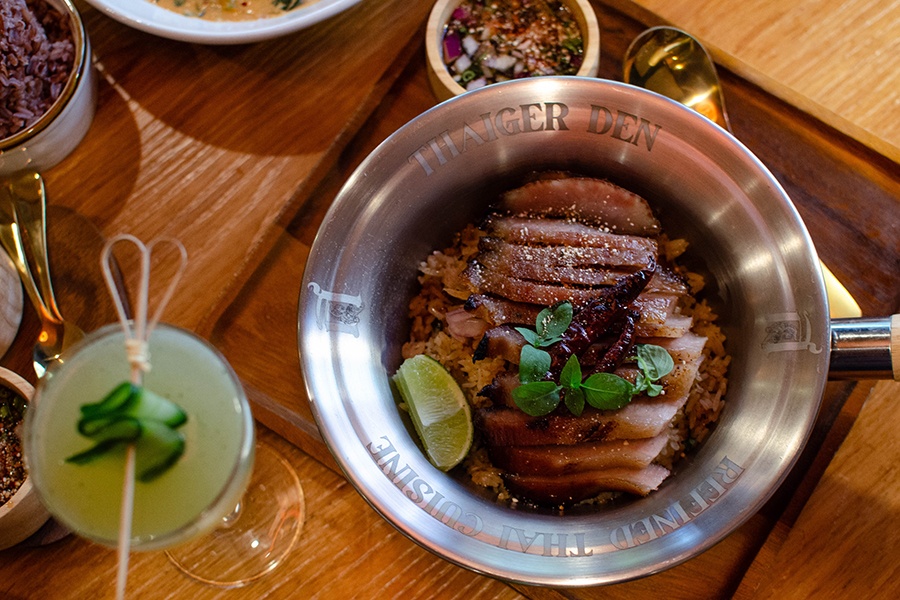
(132, 414)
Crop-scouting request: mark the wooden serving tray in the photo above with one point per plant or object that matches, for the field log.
(842, 189)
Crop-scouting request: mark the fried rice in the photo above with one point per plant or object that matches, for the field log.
(440, 293)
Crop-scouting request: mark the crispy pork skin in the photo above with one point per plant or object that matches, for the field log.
(501, 341)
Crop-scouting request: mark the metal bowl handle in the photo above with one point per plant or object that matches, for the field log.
(865, 348)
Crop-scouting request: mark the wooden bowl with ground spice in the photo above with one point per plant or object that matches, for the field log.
(21, 511)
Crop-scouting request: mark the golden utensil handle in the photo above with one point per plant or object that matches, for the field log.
(23, 221)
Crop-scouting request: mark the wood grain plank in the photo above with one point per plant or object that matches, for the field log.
(834, 58)
(845, 543)
(211, 144)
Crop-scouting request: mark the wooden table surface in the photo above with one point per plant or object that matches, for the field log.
(238, 151)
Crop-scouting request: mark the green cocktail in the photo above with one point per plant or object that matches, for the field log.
(190, 498)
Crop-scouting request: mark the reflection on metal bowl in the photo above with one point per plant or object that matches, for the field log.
(440, 172)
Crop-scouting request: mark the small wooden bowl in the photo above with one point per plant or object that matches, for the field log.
(23, 514)
(446, 87)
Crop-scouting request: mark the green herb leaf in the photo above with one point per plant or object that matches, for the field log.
(287, 4)
(537, 398)
(533, 364)
(654, 361)
(607, 391)
(552, 322)
(542, 321)
(653, 389)
(574, 398)
(530, 336)
(570, 376)
(573, 45)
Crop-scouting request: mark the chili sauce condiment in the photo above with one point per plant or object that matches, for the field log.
(487, 41)
(12, 467)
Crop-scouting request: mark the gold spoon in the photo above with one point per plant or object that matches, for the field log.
(23, 219)
(670, 62)
(673, 63)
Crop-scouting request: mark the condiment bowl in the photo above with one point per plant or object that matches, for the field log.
(442, 82)
(51, 138)
(441, 171)
(23, 514)
(147, 16)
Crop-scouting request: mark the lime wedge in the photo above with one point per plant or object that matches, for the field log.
(439, 410)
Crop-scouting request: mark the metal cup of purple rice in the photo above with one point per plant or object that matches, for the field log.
(48, 90)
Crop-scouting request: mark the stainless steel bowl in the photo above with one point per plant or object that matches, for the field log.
(440, 172)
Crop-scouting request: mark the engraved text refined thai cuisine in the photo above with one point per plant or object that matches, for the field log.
(588, 362)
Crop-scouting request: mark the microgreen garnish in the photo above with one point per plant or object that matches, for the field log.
(549, 325)
(539, 396)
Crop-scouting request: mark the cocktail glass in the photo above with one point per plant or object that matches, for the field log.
(228, 511)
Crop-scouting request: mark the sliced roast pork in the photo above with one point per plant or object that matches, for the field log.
(578, 458)
(567, 488)
(593, 244)
(592, 201)
(494, 310)
(505, 425)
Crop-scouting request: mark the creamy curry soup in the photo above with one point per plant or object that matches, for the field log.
(231, 10)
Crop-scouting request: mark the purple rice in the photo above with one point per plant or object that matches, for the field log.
(37, 53)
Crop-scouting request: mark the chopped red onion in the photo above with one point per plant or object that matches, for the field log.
(460, 13)
(452, 46)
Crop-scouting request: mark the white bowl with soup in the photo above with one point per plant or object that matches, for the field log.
(221, 21)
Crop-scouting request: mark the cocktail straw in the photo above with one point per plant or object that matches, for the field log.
(136, 347)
